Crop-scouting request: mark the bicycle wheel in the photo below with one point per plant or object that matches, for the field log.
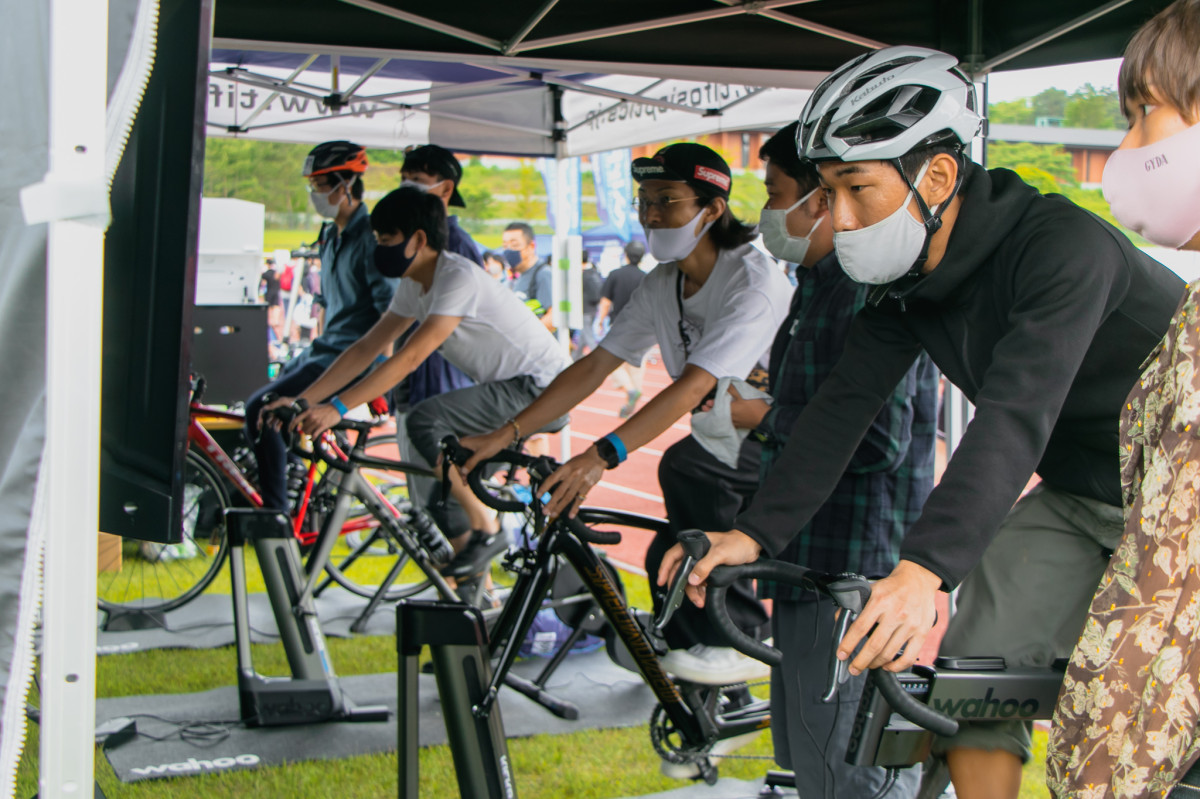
(153, 577)
(367, 554)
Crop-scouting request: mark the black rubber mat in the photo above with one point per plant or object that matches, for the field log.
(607, 695)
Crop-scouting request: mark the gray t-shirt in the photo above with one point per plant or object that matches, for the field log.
(534, 287)
(497, 338)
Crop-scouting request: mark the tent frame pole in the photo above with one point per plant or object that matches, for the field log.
(75, 290)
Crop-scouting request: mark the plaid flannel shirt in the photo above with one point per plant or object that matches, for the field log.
(860, 526)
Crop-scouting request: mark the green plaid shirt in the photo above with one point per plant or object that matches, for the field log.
(860, 526)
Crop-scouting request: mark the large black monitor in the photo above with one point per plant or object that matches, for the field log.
(149, 278)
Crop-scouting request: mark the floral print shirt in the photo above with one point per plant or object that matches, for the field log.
(1126, 720)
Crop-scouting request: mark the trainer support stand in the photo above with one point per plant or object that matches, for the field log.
(457, 639)
(312, 694)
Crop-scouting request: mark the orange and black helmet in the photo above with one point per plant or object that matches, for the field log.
(335, 156)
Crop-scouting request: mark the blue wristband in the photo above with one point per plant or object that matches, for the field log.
(379, 359)
(618, 445)
(340, 406)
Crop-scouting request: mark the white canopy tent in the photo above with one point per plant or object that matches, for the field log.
(554, 110)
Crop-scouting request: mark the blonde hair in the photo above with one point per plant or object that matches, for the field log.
(1162, 61)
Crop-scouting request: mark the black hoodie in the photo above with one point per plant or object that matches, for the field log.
(1043, 314)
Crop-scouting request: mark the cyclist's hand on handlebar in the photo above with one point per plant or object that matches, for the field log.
(901, 610)
(728, 549)
(570, 483)
(316, 420)
(484, 446)
(281, 402)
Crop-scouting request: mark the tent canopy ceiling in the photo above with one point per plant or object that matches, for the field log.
(810, 35)
(536, 77)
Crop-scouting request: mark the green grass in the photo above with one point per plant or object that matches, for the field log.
(593, 764)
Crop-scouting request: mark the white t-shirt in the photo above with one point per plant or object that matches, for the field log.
(731, 320)
(497, 339)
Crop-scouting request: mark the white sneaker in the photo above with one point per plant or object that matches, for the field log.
(691, 771)
(714, 665)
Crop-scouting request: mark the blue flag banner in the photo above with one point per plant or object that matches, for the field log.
(614, 190)
(574, 200)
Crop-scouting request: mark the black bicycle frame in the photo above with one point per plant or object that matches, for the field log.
(686, 710)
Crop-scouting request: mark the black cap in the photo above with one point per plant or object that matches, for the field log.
(686, 161)
(435, 160)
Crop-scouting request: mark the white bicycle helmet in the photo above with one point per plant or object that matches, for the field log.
(887, 103)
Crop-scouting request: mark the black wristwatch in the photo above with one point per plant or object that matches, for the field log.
(606, 450)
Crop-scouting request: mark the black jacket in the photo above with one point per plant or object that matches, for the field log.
(1042, 313)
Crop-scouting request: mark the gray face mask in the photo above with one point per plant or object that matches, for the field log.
(322, 204)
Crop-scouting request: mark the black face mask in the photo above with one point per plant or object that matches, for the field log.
(513, 258)
(391, 261)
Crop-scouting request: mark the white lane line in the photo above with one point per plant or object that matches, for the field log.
(633, 492)
(613, 414)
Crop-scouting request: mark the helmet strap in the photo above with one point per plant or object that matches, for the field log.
(931, 219)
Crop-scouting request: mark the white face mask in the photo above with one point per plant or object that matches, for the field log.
(783, 245)
(321, 202)
(885, 251)
(421, 187)
(676, 243)
(1155, 190)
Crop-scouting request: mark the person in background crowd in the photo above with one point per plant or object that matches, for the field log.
(269, 290)
(1127, 717)
(712, 305)
(593, 285)
(618, 288)
(1039, 311)
(532, 279)
(353, 291)
(495, 265)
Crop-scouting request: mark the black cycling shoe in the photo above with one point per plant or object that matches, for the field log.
(476, 555)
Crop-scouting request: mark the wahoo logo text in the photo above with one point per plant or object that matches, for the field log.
(194, 766)
(986, 708)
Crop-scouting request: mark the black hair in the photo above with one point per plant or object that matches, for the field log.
(525, 229)
(780, 150)
(495, 256)
(728, 231)
(419, 161)
(912, 161)
(408, 210)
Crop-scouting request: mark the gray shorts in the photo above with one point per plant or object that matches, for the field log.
(810, 736)
(1028, 597)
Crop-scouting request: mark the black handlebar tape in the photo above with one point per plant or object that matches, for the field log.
(592, 536)
(475, 481)
(912, 709)
(774, 570)
(718, 614)
(322, 452)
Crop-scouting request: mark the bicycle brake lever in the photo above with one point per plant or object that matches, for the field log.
(839, 670)
(850, 593)
(695, 546)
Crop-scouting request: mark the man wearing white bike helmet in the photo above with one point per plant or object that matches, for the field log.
(1039, 311)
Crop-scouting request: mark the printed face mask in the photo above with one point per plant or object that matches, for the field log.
(322, 204)
(676, 243)
(780, 243)
(885, 251)
(1155, 190)
(391, 261)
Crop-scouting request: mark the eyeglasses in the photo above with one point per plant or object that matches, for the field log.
(642, 205)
